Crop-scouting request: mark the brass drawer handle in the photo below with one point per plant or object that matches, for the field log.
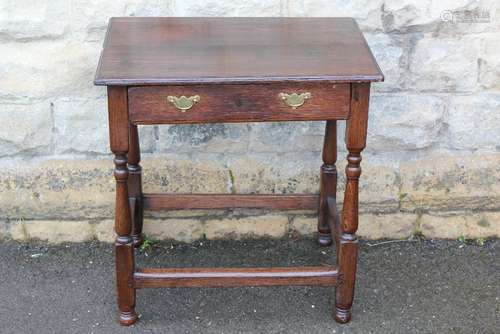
(183, 103)
(295, 100)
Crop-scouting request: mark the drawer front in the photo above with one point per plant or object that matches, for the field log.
(238, 103)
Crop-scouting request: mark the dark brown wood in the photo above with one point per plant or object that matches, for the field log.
(135, 184)
(173, 50)
(238, 67)
(328, 182)
(124, 251)
(233, 277)
(334, 220)
(238, 103)
(227, 201)
(356, 131)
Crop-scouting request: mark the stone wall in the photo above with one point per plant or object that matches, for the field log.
(431, 166)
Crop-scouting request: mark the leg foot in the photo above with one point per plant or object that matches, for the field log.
(128, 318)
(324, 239)
(137, 240)
(342, 316)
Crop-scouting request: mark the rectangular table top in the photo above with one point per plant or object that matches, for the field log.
(172, 50)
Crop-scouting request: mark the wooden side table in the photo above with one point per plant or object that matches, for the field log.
(206, 70)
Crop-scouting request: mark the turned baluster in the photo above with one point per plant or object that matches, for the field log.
(124, 251)
(356, 130)
(135, 185)
(328, 182)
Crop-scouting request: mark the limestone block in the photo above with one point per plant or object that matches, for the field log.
(185, 230)
(210, 138)
(59, 231)
(81, 125)
(228, 8)
(273, 226)
(287, 137)
(390, 56)
(367, 13)
(185, 176)
(28, 20)
(57, 189)
(386, 226)
(399, 122)
(489, 62)
(446, 183)
(453, 225)
(104, 230)
(444, 64)
(474, 122)
(26, 127)
(44, 69)
(406, 15)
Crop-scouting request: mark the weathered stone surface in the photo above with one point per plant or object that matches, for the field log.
(228, 8)
(105, 230)
(17, 231)
(404, 122)
(185, 176)
(391, 58)
(276, 175)
(408, 15)
(211, 138)
(273, 226)
(81, 125)
(440, 93)
(59, 231)
(489, 62)
(185, 230)
(444, 64)
(453, 225)
(58, 189)
(77, 189)
(26, 128)
(474, 122)
(447, 183)
(3, 230)
(304, 225)
(287, 137)
(49, 74)
(393, 226)
(29, 20)
(366, 13)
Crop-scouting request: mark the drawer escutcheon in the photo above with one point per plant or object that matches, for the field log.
(183, 103)
(295, 100)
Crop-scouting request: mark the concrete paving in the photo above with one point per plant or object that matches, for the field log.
(403, 287)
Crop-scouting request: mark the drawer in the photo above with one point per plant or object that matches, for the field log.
(238, 103)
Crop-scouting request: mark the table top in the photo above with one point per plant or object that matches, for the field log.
(172, 50)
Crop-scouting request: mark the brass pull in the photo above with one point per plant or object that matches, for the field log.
(295, 100)
(183, 103)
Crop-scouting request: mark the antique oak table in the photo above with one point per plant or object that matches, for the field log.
(228, 70)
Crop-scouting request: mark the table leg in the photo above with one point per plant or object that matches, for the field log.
(348, 243)
(328, 182)
(124, 250)
(135, 185)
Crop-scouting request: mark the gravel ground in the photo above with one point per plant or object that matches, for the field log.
(403, 287)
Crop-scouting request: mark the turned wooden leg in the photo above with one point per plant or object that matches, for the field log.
(124, 250)
(328, 182)
(135, 185)
(347, 256)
